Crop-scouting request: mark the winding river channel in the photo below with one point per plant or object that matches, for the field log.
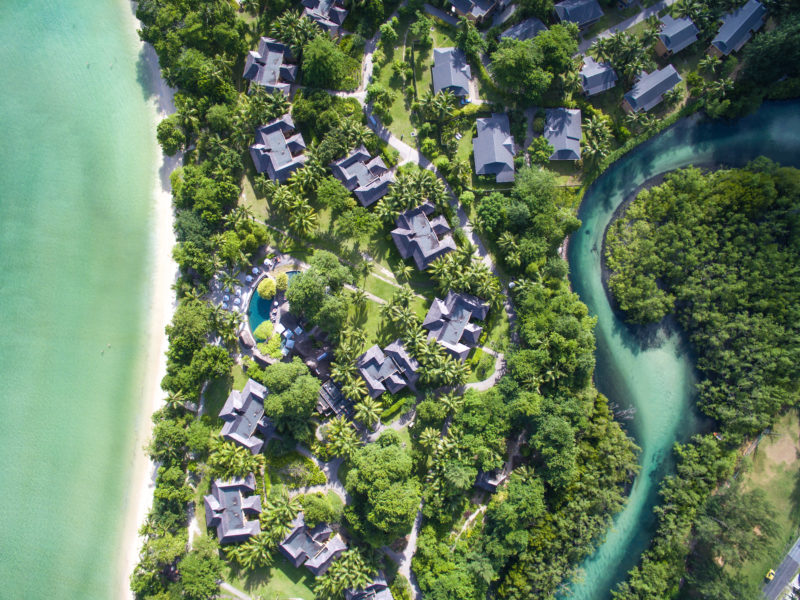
(656, 378)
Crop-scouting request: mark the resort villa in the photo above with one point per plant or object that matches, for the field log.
(266, 68)
(493, 148)
(450, 71)
(368, 178)
(676, 34)
(278, 149)
(377, 590)
(390, 369)
(650, 88)
(596, 76)
(227, 508)
(422, 239)
(524, 30)
(448, 322)
(331, 402)
(315, 548)
(243, 414)
(581, 12)
(328, 14)
(737, 28)
(562, 128)
(474, 10)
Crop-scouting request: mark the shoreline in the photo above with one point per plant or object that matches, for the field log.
(160, 307)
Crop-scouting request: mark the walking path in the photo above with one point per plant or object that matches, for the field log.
(233, 592)
(584, 45)
(440, 14)
(331, 470)
(499, 370)
(468, 522)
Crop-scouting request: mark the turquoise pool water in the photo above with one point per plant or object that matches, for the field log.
(258, 310)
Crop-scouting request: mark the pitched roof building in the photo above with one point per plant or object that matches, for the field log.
(377, 590)
(562, 128)
(676, 34)
(448, 322)
(450, 71)
(331, 402)
(314, 548)
(243, 414)
(390, 369)
(328, 14)
(524, 30)
(596, 77)
(493, 148)
(368, 178)
(278, 149)
(474, 10)
(266, 67)
(581, 12)
(227, 508)
(738, 27)
(422, 239)
(649, 89)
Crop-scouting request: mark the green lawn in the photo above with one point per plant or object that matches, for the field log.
(776, 470)
(281, 581)
(217, 393)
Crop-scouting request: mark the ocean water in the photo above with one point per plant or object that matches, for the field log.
(657, 378)
(77, 176)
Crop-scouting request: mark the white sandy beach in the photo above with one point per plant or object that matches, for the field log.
(160, 308)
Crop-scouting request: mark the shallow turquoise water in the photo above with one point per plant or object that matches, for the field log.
(77, 174)
(258, 310)
(658, 380)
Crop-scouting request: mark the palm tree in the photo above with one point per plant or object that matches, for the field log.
(258, 551)
(176, 400)
(451, 402)
(278, 513)
(231, 460)
(507, 242)
(355, 389)
(303, 220)
(709, 64)
(368, 411)
(403, 296)
(429, 438)
(404, 271)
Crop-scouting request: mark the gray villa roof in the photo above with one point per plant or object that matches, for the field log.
(448, 322)
(493, 148)
(315, 548)
(677, 34)
(524, 30)
(227, 508)
(596, 77)
(390, 369)
(424, 240)
(278, 150)
(266, 67)
(477, 9)
(243, 414)
(582, 12)
(651, 87)
(562, 128)
(738, 27)
(367, 177)
(377, 590)
(331, 402)
(450, 71)
(329, 14)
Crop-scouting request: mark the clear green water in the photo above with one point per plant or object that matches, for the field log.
(657, 380)
(77, 175)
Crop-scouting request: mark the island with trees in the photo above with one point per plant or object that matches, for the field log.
(418, 418)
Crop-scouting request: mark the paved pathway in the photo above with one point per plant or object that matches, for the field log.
(784, 573)
(584, 45)
(440, 14)
(331, 470)
(233, 592)
(499, 370)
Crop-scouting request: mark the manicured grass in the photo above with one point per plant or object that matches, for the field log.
(481, 365)
(216, 394)
(776, 471)
(239, 377)
(282, 581)
(496, 331)
(368, 319)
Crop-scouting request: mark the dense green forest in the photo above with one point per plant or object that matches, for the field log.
(719, 250)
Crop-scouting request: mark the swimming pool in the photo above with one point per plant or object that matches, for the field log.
(259, 308)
